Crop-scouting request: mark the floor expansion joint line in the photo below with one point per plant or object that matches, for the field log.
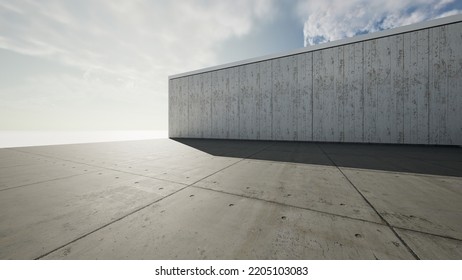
(45, 181)
(288, 205)
(370, 204)
(141, 208)
(429, 233)
(108, 224)
(142, 175)
(399, 172)
(19, 165)
(107, 168)
(234, 163)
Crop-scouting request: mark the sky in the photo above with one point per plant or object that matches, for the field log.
(104, 64)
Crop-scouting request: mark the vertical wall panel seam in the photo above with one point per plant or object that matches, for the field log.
(257, 110)
(271, 102)
(298, 99)
(393, 94)
(189, 90)
(429, 85)
(312, 95)
(448, 140)
(376, 101)
(343, 94)
(409, 81)
(362, 88)
(403, 80)
(238, 103)
(211, 97)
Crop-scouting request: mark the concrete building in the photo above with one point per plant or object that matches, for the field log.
(396, 86)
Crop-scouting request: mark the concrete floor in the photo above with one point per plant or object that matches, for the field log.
(218, 199)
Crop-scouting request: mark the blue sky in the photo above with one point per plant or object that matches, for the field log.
(83, 65)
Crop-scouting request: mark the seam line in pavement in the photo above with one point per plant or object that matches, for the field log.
(323, 212)
(141, 208)
(108, 224)
(428, 233)
(103, 167)
(234, 163)
(19, 165)
(45, 181)
(437, 176)
(288, 205)
(370, 204)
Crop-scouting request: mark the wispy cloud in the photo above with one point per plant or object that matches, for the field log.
(127, 35)
(330, 20)
(130, 45)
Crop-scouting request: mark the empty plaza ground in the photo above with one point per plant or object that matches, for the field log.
(224, 199)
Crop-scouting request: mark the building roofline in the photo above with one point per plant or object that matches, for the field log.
(360, 38)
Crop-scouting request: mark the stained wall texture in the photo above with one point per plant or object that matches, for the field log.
(405, 87)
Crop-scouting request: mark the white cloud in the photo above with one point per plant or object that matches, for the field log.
(131, 45)
(128, 35)
(330, 20)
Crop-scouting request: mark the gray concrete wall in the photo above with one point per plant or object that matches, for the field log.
(396, 86)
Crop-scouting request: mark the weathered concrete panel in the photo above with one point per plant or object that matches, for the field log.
(248, 96)
(182, 122)
(291, 84)
(353, 105)
(277, 98)
(386, 100)
(284, 98)
(219, 110)
(438, 85)
(328, 91)
(454, 109)
(206, 105)
(172, 109)
(319, 90)
(403, 87)
(194, 121)
(305, 102)
(370, 92)
(398, 87)
(339, 69)
(233, 102)
(264, 109)
(417, 88)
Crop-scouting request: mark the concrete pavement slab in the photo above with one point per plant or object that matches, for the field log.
(430, 204)
(16, 176)
(11, 158)
(111, 151)
(203, 224)
(181, 169)
(430, 160)
(423, 152)
(238, 216)
(225, 148)
(395, 164)
(431, 247)
(42, 217)
(293, 156)
(365, 162)
(419, 166)
(321, 188)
